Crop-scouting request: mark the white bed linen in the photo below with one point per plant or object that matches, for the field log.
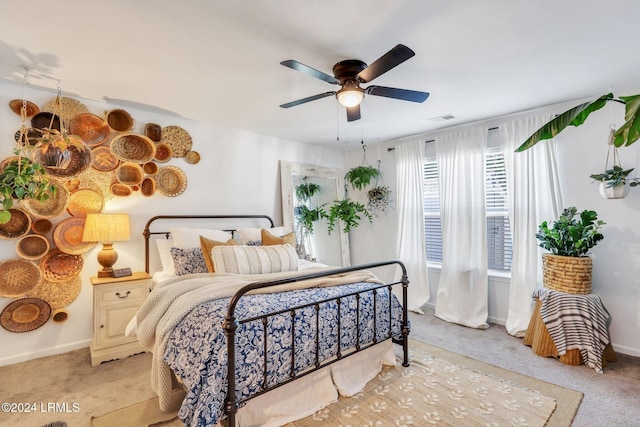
(305, 396)
(309, 394)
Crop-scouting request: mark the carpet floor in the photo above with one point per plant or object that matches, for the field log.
(610, 399)
(439, 388)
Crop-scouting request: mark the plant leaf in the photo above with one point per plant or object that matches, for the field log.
(574, 117)
(629, 132)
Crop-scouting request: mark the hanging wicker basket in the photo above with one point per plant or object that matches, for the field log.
(567, 274)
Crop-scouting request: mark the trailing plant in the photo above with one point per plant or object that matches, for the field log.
(626, 134)
(348, 211)
(379, 199)
(305, 213)
(20, 179)
(616, 176)
(361, 176)
(570, 236)
(306, 216)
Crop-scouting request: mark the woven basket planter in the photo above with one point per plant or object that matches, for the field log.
(567, 274)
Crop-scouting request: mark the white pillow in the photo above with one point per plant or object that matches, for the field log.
(254, 259)
(253, 236)
(164, 250)
(187, 238)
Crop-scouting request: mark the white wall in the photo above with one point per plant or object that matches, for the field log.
(238, 174)
(581, 152)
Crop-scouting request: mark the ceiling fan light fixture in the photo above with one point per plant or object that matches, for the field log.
(350, 95)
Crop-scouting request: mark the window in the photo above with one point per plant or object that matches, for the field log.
(499, 244)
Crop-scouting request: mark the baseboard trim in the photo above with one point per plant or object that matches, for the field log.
(24, 357)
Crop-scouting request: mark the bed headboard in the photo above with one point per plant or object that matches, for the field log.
(182, 219)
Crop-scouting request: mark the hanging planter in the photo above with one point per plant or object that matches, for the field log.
(379, 200)
(360, 177)
(614, 182)
(349, 212)
(379, 196)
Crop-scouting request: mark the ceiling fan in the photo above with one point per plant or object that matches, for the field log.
(350, 73)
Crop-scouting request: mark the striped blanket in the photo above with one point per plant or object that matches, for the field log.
(576, 322)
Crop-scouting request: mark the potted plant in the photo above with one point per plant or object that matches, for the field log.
(348, 211)
(361, 176)
(568, 267)
(379, 199)
(613, 182)
(20, 179)
(52, 147)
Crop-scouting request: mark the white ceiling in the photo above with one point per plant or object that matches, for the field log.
(218, 61)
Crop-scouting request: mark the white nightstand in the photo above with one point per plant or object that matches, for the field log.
(115, 302)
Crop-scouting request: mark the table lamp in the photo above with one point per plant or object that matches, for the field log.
(106, 228)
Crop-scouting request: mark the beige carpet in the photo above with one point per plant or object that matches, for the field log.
(439, 388)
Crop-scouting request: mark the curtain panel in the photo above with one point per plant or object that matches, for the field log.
(462, 295)
(534, 190)
(411, 244)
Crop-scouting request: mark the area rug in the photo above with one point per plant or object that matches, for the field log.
(440, 388)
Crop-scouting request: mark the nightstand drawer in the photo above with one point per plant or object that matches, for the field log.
(120, 294)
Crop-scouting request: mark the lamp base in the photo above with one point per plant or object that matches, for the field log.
(105, 273)
(106, 258)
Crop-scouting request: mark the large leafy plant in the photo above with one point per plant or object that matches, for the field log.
(626, 134)
(571, 236)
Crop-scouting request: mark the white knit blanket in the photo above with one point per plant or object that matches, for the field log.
(171, 300)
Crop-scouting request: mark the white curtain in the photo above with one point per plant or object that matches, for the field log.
(463, 288)
(532, 180)
(411, 245)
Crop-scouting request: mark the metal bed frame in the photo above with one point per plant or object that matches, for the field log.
(231, 323)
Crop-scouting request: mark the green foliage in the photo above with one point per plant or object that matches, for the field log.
(615, 176)
(629, 132)
(22, 179)
(361, 176)
(573, 117)
(306, 216)
(306, 190)
(569, 236)
(348, 212)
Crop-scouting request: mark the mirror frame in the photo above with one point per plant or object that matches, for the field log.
(287, 171)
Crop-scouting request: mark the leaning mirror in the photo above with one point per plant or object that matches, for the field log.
(306, 191)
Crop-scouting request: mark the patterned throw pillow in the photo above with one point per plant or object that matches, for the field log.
(188, 261)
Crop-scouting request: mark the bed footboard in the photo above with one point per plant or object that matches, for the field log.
(231, 325)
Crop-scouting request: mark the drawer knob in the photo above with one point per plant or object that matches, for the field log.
(122, 296)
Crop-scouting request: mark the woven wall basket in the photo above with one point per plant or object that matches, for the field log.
(567, 274)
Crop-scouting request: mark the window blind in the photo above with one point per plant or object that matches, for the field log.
(499, 242)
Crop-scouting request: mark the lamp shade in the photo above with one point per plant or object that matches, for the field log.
(106, 228)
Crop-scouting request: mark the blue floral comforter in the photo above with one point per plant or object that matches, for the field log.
(196, 350)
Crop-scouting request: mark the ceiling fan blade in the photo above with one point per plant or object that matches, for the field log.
(298, 66)
(353, 113)
(403, 94)
(389, 60)
(307, 99)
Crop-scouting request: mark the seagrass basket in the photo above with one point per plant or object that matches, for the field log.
(567, 274)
